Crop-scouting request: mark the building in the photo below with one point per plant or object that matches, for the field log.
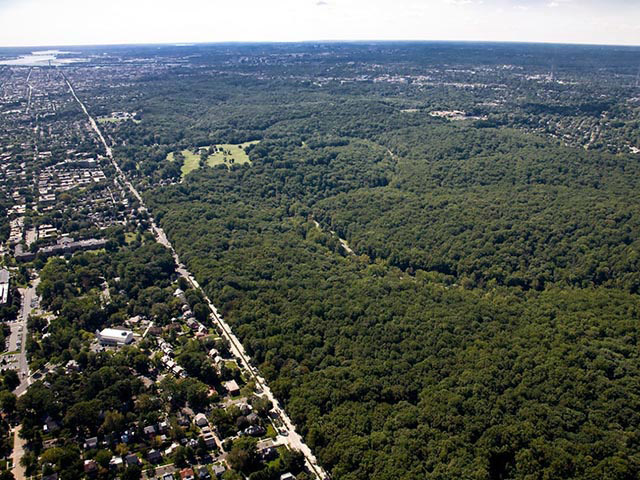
(209, 439)
(232, 387)
(4, 286)
(201, 420)
(63, 246)
(187, 474)
(218, 470)
(154, 456)
(91, 443)
(115, 337)
(90, 466)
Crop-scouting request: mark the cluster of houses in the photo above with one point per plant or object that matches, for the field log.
(66, 175)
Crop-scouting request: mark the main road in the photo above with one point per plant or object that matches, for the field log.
(19, 332)
(288, 436)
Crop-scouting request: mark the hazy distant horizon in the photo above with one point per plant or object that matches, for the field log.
(35, 48)
(63, 23)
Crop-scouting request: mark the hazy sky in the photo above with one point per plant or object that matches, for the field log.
(69, 22)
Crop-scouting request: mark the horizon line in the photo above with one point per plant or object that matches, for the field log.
(338, 41)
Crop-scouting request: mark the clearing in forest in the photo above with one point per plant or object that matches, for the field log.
(222, 154)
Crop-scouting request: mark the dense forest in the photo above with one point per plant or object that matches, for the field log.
(433, 255)
(486, 328)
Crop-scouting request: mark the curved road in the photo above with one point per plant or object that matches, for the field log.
(292, 438)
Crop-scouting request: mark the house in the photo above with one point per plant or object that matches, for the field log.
(154, 456)
(255, 431)
(187, 474)
(172, 448)
(90, 466)
(218, 470)
(115, 337)
(72, 366)
(116, 463)
(132, 459)
(287, 476)
(149, 430)
(268, 453)
(203, 473)
(201, 420)
(91, 443)
(253, 419)
(209, 440)
(50, 425)
(154, 331)
(232, 387)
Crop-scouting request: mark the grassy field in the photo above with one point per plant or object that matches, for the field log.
(191, 161)
(228, 154)
(224, 154)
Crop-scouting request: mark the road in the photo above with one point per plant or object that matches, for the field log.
(342, 241)
(292, 439)
(18, 452)
(19, 328)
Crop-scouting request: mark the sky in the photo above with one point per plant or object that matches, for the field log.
(97, 22)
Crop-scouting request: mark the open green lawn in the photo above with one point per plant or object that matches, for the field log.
(129, 237)
(191, 161)
(228, 154)
(224, 154)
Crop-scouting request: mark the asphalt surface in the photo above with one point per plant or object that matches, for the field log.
(19, 334)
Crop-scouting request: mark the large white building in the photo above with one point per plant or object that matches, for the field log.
(4, 286)
(115, 337)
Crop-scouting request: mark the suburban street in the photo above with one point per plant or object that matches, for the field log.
(18, 339)
(17, 342)
(290, 437)
(18, 452)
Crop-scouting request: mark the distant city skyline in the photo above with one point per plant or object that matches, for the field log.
(91, 22)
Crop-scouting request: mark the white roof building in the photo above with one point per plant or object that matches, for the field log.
(4, 286)
(112, 336)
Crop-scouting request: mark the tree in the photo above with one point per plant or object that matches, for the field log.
(243, 455)
(11, 379)
(132, 472)
(29, 462)
(114, 422)
(8, 402)
(103, 457)
(6, 475)
(201, 312)
(181, 456)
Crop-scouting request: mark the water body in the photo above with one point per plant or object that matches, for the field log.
(43, 58)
